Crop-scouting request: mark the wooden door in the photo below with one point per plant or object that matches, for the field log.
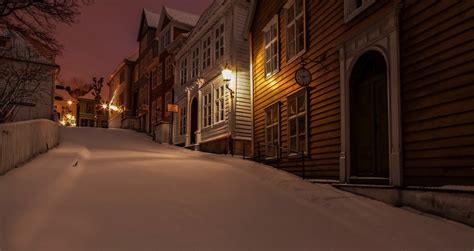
(194, 121)
(369, 117)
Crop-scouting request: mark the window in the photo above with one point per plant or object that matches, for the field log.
(207, 110)
(159, 77)
(89, 108)
(352, 8)
(297, 122)
(272, 131)
(182, 130)
(295, 29)
(195, 70)
(219, 104)
(219, 38)
(153, 112)
(153, 79)
(168, 68)
(168, 100)
(206, 53)
(271, 47)
(184, 71)
(159, 110)
(5, 43)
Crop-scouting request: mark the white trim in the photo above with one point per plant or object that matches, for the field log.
(384, 38)
(351, 11)
(267, 28)
(301, 52)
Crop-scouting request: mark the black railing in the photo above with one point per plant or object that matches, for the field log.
(276, 159)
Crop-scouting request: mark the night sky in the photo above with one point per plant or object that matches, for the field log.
(106, 33)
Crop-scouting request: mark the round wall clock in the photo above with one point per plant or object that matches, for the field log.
(303, 76)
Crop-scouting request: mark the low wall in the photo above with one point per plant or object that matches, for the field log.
(22, 141)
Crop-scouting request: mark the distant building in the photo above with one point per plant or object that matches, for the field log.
(215, 115)
(120, 95)
(28, 58)
(65, 106)
(87, 110)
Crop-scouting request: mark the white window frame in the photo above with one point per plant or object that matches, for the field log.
(302, 15)
(184, 71)
(195, 61)
(207, 110)
(296, 117)
(268, 45)
(219, 41)
(206, 52)
(219, 103)
(271, 126)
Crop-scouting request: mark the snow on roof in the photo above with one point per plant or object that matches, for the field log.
(104, 94)
(181, 16)
(64, 95)
(88, 95)
(152, 18)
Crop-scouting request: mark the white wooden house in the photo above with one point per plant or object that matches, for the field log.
(211, 117)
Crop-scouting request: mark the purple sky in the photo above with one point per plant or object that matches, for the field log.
(106, 33)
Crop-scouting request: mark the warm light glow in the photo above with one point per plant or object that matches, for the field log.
(69, 102)
(104, 106)
(227, 74)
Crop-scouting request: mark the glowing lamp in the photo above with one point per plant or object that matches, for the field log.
(227, 74)
(69, 102)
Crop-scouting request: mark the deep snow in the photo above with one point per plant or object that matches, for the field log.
(129, 193)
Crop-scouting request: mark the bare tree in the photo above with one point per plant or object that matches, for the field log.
(38, 18)
(22, 84)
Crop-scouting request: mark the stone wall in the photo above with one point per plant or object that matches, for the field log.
(24, 140)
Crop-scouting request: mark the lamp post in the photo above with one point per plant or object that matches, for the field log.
(227, 77)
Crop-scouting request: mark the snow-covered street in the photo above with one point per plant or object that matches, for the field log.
(106, 189)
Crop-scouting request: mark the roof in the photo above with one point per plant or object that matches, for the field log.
(181, 16)
(90, 95)
(63, 94)
(152, 18)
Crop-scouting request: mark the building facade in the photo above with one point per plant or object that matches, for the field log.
(120, 95)
(28, 72)
(65, 106)
(214, 115)
(87, 110)
(369, 92)
(172, 29)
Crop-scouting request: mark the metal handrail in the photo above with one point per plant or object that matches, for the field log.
(257, 155)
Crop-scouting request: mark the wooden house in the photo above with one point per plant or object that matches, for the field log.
(214, 113)
(373, 92)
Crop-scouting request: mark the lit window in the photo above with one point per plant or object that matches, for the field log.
(195, 70)
(271, 47)
(207, 110)
(295, 29)
(272, 131)
(206, 52)
(184, 71)
(219, 38)
(297, 122)
(219, 104)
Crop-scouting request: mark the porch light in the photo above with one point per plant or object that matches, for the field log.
(227, 74)
(69, 102)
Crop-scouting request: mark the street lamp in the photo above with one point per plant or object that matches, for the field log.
(227, 77)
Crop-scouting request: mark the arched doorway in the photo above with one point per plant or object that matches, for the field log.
(369, 137)
(194, 120)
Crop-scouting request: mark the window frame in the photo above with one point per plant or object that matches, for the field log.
(304, 93)
(183, 121)
(219, 103)
(267, 28)
(351, 10)
(195, 59)
(301, 52)
(206, 52)
(184, 70)
(207, 109)
(277, 125)
(219, 41)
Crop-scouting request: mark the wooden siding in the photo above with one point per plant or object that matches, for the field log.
(325, 29)
(243, 106)
(437, 72)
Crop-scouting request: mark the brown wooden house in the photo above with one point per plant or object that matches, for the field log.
(390, 99)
